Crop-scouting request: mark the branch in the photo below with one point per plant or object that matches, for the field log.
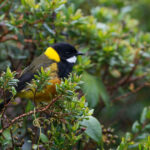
(29, 113)
(1, 1)
(4, 37)
(4, 34)
(40, 20)
(138, 78)
(129, 93)
(126, 79)
(15, 38)
(4, 4)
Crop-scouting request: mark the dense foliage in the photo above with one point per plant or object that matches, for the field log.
(113, 75)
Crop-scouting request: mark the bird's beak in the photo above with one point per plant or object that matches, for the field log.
(80, 53)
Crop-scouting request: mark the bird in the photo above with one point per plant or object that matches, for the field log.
(59, 59)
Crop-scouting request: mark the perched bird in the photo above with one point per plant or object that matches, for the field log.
(59, 59)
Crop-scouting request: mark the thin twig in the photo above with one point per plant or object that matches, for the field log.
(4, 109)
(1, 1)
(15, 38)
(129, 93)
(40, 20)
(4, 4)
(5, 33)
(12, 139)
(126, 79)
(131, 80)
(29, 113)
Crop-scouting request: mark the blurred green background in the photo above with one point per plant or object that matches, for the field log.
(113, 34)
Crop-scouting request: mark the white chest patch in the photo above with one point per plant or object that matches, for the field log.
(72, 59)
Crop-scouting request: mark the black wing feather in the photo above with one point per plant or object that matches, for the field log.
(26, 77)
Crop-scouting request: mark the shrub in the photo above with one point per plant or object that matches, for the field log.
(115, 72)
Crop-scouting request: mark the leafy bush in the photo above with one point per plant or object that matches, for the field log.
(58, 125)
(115, 71)
(139, 137)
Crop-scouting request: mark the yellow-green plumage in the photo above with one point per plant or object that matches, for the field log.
(48, 62)
(59, 59)
(48, 92)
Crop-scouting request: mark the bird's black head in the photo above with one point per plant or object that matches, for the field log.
(66, 59)
(67, 52)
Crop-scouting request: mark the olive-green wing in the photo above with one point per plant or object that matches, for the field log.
(31, 70)
(28, 75)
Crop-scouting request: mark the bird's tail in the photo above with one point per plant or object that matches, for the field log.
(1, 106)
(3, 103)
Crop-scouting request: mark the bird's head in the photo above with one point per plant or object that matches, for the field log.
(62, 52)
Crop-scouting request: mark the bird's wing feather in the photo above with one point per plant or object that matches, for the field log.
(31, 70)
(23, 80)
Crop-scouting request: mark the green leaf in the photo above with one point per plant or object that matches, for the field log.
(29, 106)
(136, 127)
(14, 92)
(48, 29)
(7, 135)
(123, 145)
(93, 89)
(8, 71)
(93, 129)
(147, 127)
(128, 136)
(44, 138)
(35, 146)
(103, 93)
(144, 115)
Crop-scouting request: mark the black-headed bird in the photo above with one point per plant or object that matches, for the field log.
(59, 59)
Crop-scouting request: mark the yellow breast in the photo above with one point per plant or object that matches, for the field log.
(48, 92)
(45, 95)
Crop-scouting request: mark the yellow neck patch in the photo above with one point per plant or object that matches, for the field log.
(52, 54)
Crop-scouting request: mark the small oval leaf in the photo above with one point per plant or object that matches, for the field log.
(93, 128)
(44, 138)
